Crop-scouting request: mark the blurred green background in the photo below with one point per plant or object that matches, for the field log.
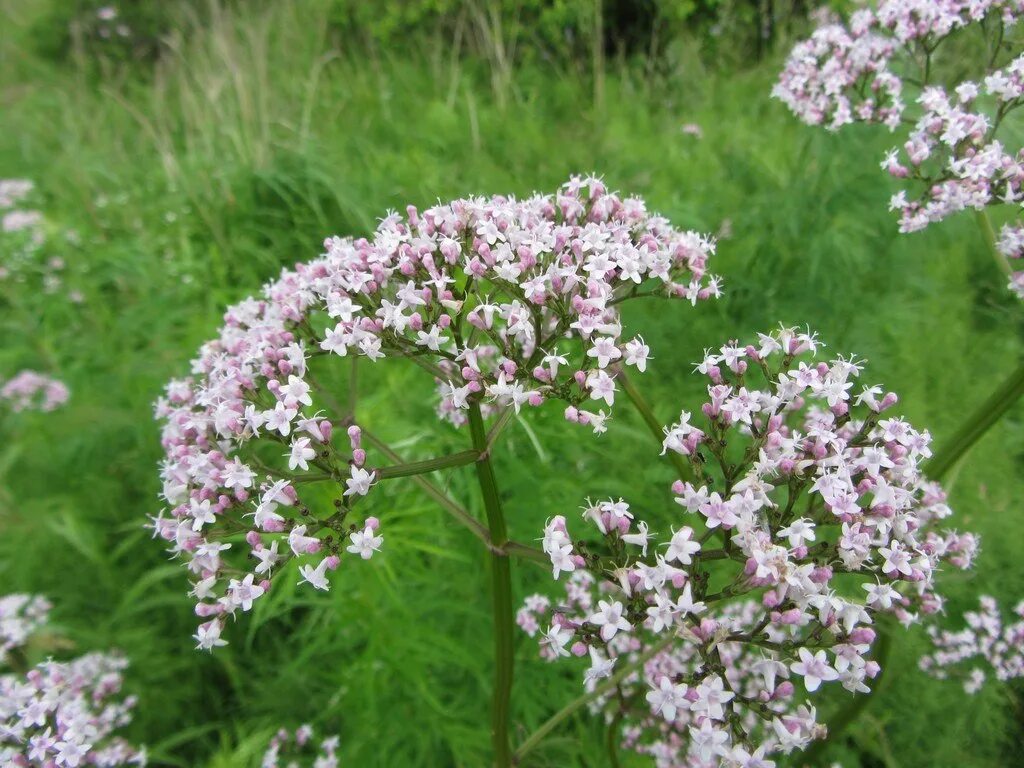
(183, 161)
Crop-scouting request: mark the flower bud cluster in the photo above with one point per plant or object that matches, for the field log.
(806, 517)
(291, 750)
(986, 640)
(507, 301)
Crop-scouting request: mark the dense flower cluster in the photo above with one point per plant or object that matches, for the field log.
(952, 150)
(809, 507)
(510, 301)
(20, 617)
(291, 750)
(64, 714)
(860, 72)
(60, 714)
(30, 390)
(986, 641)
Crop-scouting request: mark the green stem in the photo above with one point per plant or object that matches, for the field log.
(569, 709)
(611, 736)
(501, 589)
(977, 424)
(456, 510)
(460, 459)
(453, 507)
(353, 390)
(987, 232)
(514, 548)
(653, 425)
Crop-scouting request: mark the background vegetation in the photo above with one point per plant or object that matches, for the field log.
(179, 175)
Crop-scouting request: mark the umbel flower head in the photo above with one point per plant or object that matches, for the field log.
(292, 750)
(807, 516)
(505, 302)
(60, 713)
(881, 68)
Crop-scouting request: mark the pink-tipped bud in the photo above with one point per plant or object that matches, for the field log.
(888, 401)
(862, 636)
(791, 617)
(784, 690)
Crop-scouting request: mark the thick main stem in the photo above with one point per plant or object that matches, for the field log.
(501, 592)
(989, 234)
(977, 424)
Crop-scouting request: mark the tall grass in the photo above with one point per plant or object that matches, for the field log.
(262, 132)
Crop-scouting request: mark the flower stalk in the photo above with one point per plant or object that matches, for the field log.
(647, 414)
(579, 702)
(460, 459)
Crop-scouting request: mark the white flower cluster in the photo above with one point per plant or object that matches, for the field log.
(60, 714)
(807, 516)
(510, 301)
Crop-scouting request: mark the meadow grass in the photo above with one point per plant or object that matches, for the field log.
(190, 184)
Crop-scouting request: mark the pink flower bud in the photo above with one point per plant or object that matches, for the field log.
(783, 691)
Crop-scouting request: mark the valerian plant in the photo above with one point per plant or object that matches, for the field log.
(805, 512)
(505, 303)
(807, 517)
